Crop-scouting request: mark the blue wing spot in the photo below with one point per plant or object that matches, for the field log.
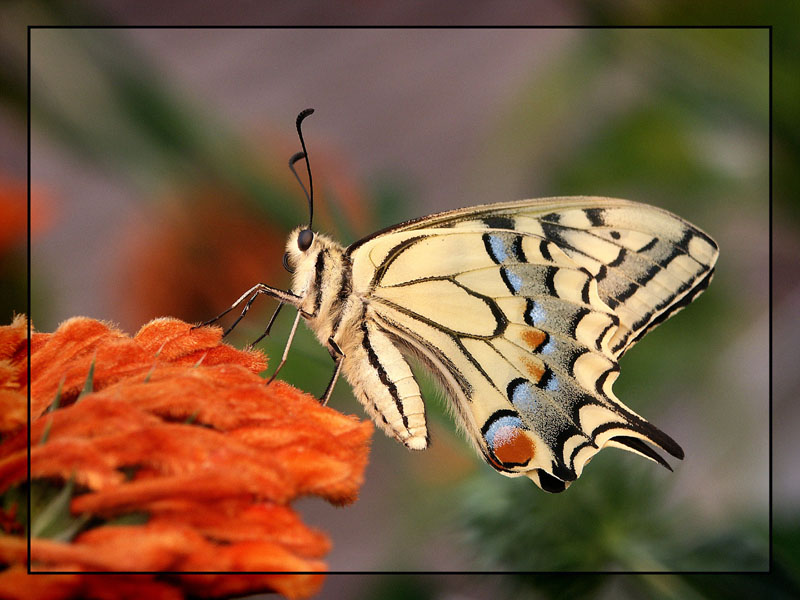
(548, 381)
(534, 313)
(512, 280)
(552, 384)
(520, 392)
(549, 347)
(500, 432)
(499, 253)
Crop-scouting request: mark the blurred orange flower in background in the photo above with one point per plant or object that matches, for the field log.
(14, 211)
(192, 258)
(207, 240)
(168, 453)
(14, 227)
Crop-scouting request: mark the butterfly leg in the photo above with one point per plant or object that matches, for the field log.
(338, 356)
(283, 296)
(241, 316)
(252, 290)
(288, 345)
(269, 325)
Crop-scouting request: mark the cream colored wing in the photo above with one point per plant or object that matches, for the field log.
(522, 309)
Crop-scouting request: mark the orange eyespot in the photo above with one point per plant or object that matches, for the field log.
(534, 369)
(534, 338)
(506, 441)
(513, 447)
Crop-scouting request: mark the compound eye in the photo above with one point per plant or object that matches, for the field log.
(286, 264)
(304, 239)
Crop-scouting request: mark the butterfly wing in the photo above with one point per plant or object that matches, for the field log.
(522, 309)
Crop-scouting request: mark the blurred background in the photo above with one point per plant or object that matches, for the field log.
(159, 186)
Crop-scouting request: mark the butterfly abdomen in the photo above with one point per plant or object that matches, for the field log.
(383, 382)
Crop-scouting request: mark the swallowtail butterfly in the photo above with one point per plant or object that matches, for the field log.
(521, 310)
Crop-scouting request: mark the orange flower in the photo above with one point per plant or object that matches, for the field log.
(174, 455)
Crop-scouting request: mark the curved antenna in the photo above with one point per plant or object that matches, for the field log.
(304, 154)
(295, 157)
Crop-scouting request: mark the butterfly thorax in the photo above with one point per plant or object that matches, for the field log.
(322, 278)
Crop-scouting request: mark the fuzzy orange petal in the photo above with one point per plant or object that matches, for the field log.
(13, 375)
(178, 427)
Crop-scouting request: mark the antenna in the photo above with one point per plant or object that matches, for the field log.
(304, 154)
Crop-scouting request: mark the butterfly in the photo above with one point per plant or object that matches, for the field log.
(520, 310)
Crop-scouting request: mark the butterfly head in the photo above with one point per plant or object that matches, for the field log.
(297, 247)
(300, 248)
(309, 257)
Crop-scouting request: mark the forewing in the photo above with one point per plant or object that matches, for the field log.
(648, 262)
